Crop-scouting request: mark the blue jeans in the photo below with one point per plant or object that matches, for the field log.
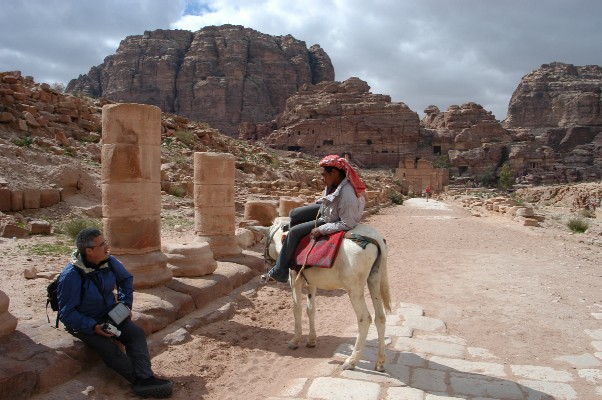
(303, 220)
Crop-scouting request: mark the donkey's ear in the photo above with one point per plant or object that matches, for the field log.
(260, 229)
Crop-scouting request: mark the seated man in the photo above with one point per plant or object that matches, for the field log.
(85, 296)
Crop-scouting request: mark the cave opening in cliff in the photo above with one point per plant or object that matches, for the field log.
(294, 148)
(437, 150)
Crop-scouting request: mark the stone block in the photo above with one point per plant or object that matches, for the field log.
(11, 230)
(214, 220)
(189, 259)
(214, 195)
(40, 227)
(214, 168)
(260, 210)
(149, 269)
(525, 212)
(222, 245)
(133, 235)
(287, 203)
(135, 124)
(131, 199)
(31, 199)
(49, 197)
(16, 200)
(5, 199)
(130, 163)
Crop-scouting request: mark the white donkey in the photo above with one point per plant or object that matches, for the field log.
(353, 268)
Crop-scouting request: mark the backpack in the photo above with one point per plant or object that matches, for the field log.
(52, 298)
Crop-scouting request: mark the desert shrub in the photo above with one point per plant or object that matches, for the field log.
(178, 191)
(23, 142)
(396, 198)
(578, 225)
(442, 162)
(185, 137)
(506, 177)
(74, 226)
(487, 178)
(58, 86)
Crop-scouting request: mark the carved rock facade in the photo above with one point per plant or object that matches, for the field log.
(222, 75)
(343, 118)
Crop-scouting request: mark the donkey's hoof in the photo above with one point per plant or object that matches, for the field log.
(348, 365)
(379, 368)
(310, 344)
(292, 346)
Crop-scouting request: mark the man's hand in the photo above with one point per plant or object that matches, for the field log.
(315, 233)
(99, 331)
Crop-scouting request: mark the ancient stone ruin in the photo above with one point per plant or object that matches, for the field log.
(131, 190)
(214, 214)
(343, 118)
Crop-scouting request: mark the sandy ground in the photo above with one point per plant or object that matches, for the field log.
(525, 294)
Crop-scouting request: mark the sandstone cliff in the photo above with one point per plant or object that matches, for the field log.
(343, 118)
(222, 75)
(560, 105)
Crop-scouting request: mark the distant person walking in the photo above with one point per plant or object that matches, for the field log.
(427, 192)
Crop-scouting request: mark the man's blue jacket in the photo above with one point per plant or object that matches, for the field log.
(84, 303)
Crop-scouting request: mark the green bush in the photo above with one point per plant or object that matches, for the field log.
(23, 142)
(506, 177)
(185, 137)
(396, 198)
(74, 226)
(442, 162)
(578, 225)
(487, 178)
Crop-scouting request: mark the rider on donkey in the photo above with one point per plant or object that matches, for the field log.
(339, 209)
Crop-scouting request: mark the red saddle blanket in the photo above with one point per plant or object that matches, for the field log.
(322, 254)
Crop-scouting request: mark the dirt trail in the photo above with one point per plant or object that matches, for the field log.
(524, 294)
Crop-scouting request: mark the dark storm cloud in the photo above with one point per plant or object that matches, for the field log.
(418, 52)
(56, 40)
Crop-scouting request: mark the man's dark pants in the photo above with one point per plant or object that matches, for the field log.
(135, 363)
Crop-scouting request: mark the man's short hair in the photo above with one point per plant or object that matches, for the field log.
(85, 239)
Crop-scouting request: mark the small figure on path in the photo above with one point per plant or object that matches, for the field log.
(427, 192)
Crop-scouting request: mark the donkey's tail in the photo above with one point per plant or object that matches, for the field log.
(384, 279)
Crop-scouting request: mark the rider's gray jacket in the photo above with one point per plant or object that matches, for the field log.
(341, 210)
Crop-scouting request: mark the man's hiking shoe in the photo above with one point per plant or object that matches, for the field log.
(268, 278)
(153, 387)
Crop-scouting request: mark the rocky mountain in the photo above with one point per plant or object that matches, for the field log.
(553, 132)
(343, 118)
(222, 75)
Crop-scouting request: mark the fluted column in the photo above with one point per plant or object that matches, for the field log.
(214, 217)
(131, 190)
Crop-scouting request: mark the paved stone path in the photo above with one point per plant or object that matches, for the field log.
(424, 363)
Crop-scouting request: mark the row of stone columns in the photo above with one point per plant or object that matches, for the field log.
(131, 195)
(131, 203)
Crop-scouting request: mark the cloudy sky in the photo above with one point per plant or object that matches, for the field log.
(420, 52)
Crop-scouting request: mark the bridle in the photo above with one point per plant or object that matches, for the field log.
(269, 261)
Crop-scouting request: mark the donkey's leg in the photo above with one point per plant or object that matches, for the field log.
(380, 318)
(297, 293)
(363, 324)
(311, 313)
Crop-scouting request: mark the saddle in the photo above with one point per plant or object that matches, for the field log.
(322, 254)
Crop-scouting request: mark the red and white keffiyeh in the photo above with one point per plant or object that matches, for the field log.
(354, 179)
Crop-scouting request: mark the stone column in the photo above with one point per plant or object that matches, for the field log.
(131, 190)
(214, 218)
(8, 322)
